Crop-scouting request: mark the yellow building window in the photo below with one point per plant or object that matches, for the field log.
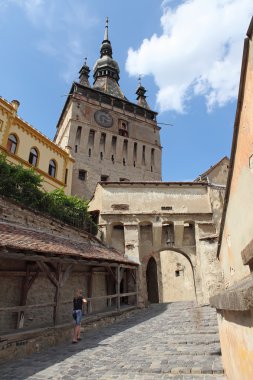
(12, 144)
(33, 157)
(52, 168)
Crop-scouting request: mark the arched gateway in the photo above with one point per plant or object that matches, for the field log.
(177, 276)
(152, 283)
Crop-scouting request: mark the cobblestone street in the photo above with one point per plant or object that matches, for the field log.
(177, 341)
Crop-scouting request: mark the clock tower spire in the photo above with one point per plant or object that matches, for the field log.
(106, 69)
(110, 138)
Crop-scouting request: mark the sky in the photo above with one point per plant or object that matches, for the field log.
(188, 54)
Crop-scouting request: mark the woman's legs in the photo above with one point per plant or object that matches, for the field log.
(75, 333)
(77, 328)
(78, 331)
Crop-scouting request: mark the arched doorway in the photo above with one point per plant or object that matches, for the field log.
(152, 284)
(177, 277)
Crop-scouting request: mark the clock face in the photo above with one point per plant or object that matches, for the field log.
(103, 118)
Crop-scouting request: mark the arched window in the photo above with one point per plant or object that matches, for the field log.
(33, 157)
(52, 168)
(12, 144)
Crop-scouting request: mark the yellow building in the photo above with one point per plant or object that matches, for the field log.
(25, 145)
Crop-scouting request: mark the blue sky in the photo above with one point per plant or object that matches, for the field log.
(188, 53)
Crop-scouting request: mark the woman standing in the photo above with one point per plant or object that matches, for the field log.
(77, 314)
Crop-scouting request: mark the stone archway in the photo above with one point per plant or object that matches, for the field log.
(177, 277)
(152, 282)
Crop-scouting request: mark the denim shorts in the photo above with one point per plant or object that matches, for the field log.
(78, 316)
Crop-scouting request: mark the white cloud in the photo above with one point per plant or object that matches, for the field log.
(198, 53)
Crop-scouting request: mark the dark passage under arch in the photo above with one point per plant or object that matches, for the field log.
(152, 284)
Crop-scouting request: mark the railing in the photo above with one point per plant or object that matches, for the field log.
(20, 310)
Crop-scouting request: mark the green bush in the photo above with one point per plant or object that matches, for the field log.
(25, 186)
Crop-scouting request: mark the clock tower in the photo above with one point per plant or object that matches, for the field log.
(110, 138)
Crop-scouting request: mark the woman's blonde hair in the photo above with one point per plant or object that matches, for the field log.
(78, 292)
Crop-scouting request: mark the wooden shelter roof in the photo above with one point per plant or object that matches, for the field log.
(25, 240)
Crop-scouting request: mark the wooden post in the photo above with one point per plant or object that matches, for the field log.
(136, 287)
(57, 278)
(26, 285)
(89, 290)
(118, 286)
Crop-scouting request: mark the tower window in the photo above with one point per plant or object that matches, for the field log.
(89, 152)
(101, 156)
(177, 273)
(52, 168)
(114, 143)
(12, 144)
(143, 155)
(152, 156)
(104, 178)
(82, 175)
(102, 142)
(135, 153)
(91, 137)
(33, 157)
(66, 177)
(78, 135)
(112, 158)
(123, 128)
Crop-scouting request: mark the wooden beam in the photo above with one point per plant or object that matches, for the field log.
(43, 266)
(26, 285)
(111, 272)
(134, 277)
(33, 256)
(66, 274)
(58, 276)
(89, 291)
(25, 307)
(118, 287)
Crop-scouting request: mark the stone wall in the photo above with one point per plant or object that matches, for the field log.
(15, 213)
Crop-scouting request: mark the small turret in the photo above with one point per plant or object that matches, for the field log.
(84, 74)
(141, 98)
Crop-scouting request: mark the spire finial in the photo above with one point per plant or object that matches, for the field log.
(139, 80)
(106, 29)
(85, 61)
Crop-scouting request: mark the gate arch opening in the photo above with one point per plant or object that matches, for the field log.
(177, 277)
(152, 282)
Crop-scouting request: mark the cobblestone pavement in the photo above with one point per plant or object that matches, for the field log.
(176, 340)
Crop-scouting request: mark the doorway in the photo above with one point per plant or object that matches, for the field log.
(152, 284)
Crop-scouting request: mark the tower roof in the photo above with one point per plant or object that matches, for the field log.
(106, 69)
(84, 74)
(141, 97)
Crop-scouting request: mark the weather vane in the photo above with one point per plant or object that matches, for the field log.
(139, 80)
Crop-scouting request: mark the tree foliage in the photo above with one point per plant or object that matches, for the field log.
(25, 186)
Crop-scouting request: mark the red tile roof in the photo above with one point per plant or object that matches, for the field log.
(18, 238)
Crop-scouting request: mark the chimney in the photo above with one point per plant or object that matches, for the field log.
(15, 103)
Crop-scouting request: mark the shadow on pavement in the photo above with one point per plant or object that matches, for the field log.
(29, 366)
